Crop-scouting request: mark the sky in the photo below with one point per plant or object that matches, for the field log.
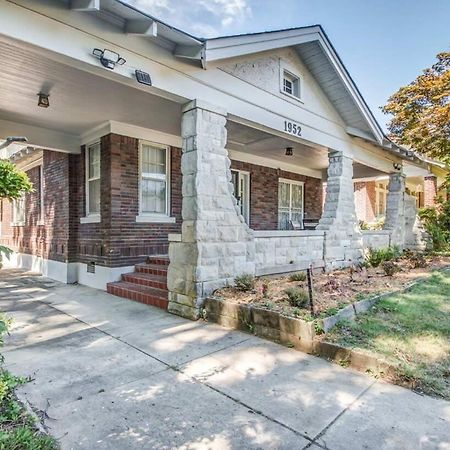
(384, 44)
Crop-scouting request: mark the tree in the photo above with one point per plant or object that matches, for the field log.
(421, 111)
(13, 184)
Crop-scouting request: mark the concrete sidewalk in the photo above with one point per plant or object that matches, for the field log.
(113, 374)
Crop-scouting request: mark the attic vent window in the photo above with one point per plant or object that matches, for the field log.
(291, 84)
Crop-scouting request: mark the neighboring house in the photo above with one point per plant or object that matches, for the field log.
(127, 173)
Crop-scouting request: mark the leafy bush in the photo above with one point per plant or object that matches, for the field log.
(375, 257)
(297, 297)
(298, 276)
(437, 223)
(390, 268)
(13, 182)
(245, 282)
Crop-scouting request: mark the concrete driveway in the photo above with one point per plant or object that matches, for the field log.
(109, 373)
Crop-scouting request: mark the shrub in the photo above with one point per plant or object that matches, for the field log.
(245, 282)
(437, 223)
(418, 260)
(297, 297)
(375, 257)
(298, 276)
(390, 268)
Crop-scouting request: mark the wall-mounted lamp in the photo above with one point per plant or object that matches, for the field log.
(43, 100)
(108, 58)
(289, 151)
(397, 166)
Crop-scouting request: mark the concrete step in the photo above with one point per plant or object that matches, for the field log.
(146, 279)
(152, 269)
(143, 294)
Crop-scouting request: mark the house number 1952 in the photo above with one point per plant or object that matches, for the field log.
(292, 128)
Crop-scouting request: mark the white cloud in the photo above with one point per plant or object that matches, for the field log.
(204, 18)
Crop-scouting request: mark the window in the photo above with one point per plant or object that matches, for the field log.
(291, 84)
(93, 179)
(380, 199)
(40, 194)
(290, 203)
(241, 190)
(154, 181)
(18, 213)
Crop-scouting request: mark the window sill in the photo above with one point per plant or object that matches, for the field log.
(18, 224)
(292, 96)
(91, 219)
(40, 223)
(154, 218)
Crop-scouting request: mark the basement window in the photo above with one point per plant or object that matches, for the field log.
(291, 84)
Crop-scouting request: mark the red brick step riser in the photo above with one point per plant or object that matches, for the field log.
(158, 284)
(141, 297)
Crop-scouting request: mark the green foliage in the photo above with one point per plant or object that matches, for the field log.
(375, 257)
(421, 111)
(297, 297)
(437, 224)
(17, 428)
(13, 182)
(417, 260)
(245, 282)
(298, 276)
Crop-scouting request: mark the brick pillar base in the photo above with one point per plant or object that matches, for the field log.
(429, 191)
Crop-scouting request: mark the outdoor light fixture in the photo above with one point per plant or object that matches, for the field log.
(43, 101)
(108, 58)
(289, 151)
(11, 139)
(397, 166)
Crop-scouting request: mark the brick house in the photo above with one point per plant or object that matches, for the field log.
(165, 165)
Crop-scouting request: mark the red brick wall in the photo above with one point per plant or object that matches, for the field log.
(429, 191)
(264, 194)
(51, 239)
(365, 198)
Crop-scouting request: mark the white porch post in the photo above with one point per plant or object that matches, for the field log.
(343, 239)
(395, 209)
(216, 244)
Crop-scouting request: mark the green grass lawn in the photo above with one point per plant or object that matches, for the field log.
(410, 330)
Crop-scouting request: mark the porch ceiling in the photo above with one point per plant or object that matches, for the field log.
(79, 100)
(259, 143)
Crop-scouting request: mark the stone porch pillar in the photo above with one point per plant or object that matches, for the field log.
(343, 239)
(216, 245)
(395, 209)
(429, 191)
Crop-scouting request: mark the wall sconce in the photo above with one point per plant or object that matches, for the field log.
(289, 151)
(108, 58)
(43, 101)
(397, 166)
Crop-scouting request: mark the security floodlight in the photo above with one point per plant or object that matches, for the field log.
(12, 139)
(108, 58)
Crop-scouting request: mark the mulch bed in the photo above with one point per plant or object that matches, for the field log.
(333, 290)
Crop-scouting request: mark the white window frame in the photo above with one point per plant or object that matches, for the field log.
(148, 216)
(246, 203)
(90, 217)
(41, 219)
(292, 182)
(380, 191)
(14, 206)
(296, 80)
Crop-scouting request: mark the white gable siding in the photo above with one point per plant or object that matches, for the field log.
(264, 70)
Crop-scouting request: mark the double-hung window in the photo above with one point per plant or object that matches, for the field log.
(154, 180)
(18, 210)
(93, 180)
(241, 190)
(290, 204)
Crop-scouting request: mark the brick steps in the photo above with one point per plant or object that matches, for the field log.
(148, 284)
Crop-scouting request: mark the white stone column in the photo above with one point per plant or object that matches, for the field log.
(216, 244)
(395, 209)
(343, 239)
